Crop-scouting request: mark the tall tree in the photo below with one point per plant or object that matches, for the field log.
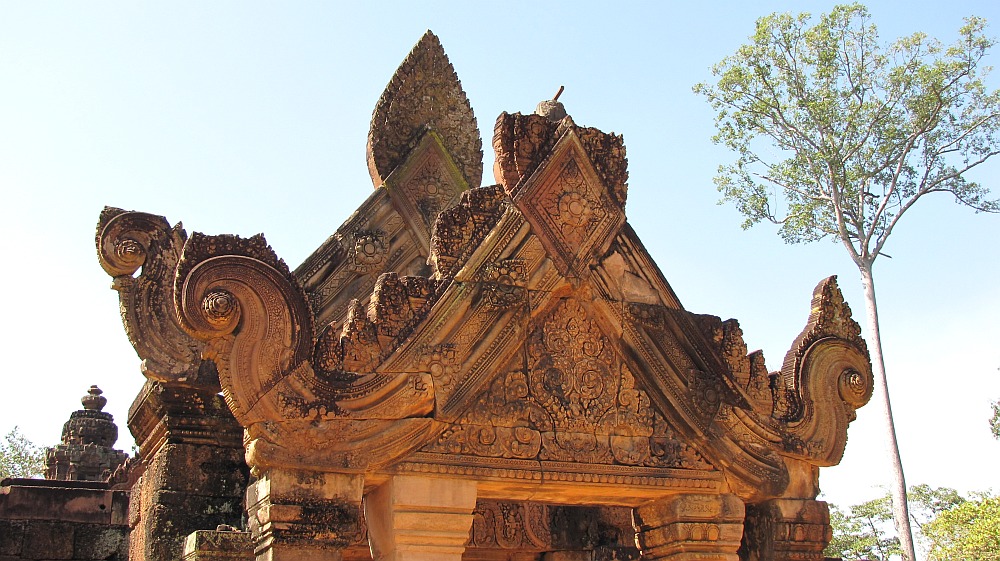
(838, 136)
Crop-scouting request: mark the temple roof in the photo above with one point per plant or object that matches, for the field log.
(518, 333)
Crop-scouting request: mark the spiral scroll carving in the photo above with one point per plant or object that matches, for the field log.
(855, 388)
(827, 375)
(128, 241)
(125, 238)
(238, 297)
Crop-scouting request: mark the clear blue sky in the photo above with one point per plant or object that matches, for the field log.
(246, 117)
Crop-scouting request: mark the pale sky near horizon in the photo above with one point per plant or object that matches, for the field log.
(246, 117)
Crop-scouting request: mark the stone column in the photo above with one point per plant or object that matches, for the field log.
(689, 527)
(413, 518)
(304, 515)
(195, 475)
(786, 530)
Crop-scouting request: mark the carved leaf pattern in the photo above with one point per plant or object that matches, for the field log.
(424, 93)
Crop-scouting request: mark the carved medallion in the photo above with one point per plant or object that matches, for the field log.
(569, 209)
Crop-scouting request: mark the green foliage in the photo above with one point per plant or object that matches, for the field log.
(851, 132)
(864, 531)
(967, 532)
(995, 420)
(950, 527)
(19, 457)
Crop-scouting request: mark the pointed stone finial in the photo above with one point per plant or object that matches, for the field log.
(94, 401)
(424, 93)
(552, 109)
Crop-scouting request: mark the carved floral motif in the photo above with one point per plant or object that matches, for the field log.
(575, 402)
(508, 525)
(369, 251)
(569, 208)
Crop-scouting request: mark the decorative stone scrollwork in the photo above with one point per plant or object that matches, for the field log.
(127, 241)
(523, 142)
(569, 207)
(827, 375)
(508, 525)
(225, 282)
(236, 295)
(855, 388)
(576, 402)
(459, 230)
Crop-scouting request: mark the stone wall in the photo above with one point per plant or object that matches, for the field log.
(62, 520)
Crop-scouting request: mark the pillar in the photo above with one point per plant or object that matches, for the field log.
(195, 475)
(689, 527)
(786, 530)
(413, 518)
(298, 515)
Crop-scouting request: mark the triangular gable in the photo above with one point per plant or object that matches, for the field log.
(530, 340)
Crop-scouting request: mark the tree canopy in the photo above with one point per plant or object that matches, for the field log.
(950, 527)
(851, 133)
(19, 457)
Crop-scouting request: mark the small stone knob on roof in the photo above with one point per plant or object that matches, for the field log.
(551, 109)
(94, 401)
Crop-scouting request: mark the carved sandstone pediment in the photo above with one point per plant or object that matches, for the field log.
(518, 334)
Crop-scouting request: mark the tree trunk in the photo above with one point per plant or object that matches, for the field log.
(900, 510)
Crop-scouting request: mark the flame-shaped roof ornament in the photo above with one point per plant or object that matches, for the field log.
(424, 93)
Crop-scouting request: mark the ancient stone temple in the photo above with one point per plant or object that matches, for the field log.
(494, 372)
(80, 510)
(86, 451)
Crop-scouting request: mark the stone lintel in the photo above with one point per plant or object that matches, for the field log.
(62, 503)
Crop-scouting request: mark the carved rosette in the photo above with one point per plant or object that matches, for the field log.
(368, 252)
(423, 94)
(504, 283)
(127, 241)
